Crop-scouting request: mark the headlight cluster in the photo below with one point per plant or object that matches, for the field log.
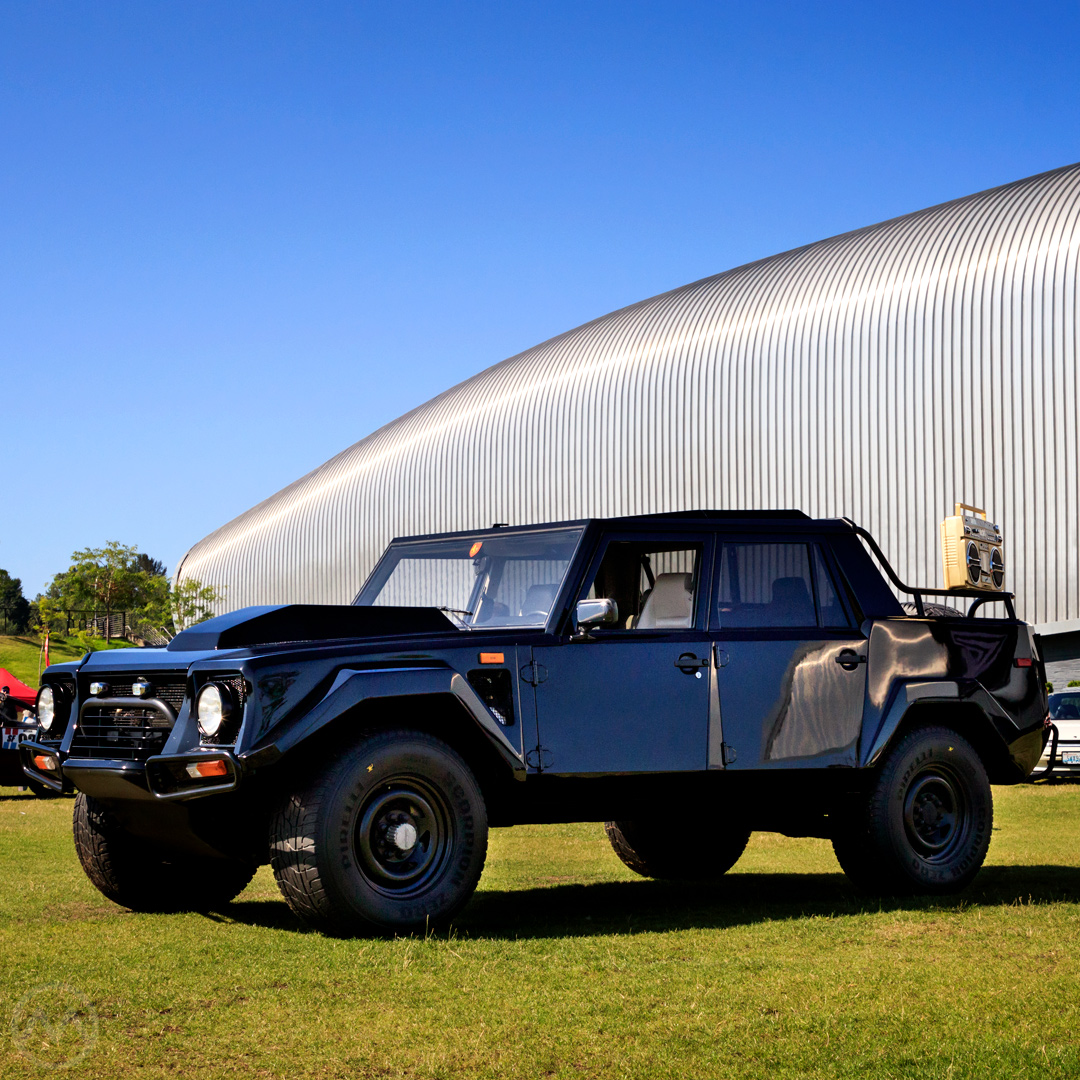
(53, 707)
(46, 708)
(215, 708)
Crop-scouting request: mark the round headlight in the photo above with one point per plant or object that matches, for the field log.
(46, 708)
(212, 707)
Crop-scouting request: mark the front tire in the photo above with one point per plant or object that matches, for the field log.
(925, 826)
(392, 837)
(135, 874)
(657, 850)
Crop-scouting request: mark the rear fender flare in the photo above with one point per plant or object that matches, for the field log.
(352, 688)
(942, 692)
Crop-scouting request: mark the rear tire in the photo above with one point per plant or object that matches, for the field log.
(136, 875)
(925, 826)
(391, 837)
(652, 850)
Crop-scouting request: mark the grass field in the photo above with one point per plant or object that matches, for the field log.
(565, 965)
(20, 655)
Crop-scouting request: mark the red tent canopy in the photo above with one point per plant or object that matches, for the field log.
(19, 691)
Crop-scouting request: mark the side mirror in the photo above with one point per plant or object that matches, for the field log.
(596, 613)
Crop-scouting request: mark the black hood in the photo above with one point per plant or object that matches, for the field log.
(308, 622)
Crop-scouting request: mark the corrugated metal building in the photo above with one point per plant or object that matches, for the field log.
(883, 374)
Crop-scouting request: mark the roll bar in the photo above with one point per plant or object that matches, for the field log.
(979, 596)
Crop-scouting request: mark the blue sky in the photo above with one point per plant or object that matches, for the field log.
(236, 238)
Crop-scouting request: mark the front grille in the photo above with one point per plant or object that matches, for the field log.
(127, 734)
(169, 689)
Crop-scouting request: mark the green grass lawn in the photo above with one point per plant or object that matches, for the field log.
(21, 655)
(567, 965)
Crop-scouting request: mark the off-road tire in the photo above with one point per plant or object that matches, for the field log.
(925, 825)
(938, 611)
(136, 875)
(332, 840)
(654, 850)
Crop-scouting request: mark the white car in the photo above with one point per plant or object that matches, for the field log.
(1065, 716)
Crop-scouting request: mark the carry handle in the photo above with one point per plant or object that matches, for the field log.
(961, 507)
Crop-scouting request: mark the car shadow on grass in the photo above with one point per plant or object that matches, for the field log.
(736, 900)
(628, 907)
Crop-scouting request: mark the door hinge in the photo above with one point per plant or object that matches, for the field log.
(533, 673)
(539, 759)
(727, 753)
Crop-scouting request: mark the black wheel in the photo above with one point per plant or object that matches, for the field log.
(659, 850)
(136, 875)
(925, 826)
(392, 836)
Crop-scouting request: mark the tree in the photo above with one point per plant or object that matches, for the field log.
(122, 578)
(151, 567)
(103, 578)
(14, 607)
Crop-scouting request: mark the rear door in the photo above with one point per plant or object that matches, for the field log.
(633, 697)
(790, 662)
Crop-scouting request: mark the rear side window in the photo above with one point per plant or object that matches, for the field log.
(766, 585)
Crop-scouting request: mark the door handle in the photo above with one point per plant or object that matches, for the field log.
(849, 659)
(689, 664)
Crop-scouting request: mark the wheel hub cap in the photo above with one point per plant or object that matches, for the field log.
(933, 814)
(403, 836)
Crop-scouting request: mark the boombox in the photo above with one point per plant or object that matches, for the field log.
(971, 551)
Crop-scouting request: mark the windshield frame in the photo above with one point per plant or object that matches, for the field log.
(393, 554)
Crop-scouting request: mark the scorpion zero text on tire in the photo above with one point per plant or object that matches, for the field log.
(656, 850)
(391, 835)
(927, 820)
(134, 874)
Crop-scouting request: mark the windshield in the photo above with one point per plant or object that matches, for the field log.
(1065, 706)
(479, 581)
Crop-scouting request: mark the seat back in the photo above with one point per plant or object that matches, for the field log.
(538, 600)
(670, 604)
(791, 603)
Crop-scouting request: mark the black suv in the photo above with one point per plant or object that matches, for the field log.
(684, 677)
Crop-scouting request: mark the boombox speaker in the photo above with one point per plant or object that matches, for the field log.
(971, 551)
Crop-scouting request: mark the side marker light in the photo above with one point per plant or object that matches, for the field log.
(198, 769)
(492, 658)
(475, 549)
(1023, 661)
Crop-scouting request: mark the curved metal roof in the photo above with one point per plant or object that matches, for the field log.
(883, 374)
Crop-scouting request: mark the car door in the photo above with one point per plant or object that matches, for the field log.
(790, 663)
(632, 697)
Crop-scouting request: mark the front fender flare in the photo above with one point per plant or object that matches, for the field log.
(352, 687)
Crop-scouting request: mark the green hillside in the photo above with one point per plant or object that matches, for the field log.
(20, 655)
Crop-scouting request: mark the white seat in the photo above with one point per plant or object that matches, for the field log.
(538, 600)
(670, 605)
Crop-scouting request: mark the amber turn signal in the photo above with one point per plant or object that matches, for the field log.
(199, 769)
(492, 658)
(44, 763)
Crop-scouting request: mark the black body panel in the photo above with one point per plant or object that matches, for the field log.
(778, 685)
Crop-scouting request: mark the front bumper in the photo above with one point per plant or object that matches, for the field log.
(42, 763)
(162, 777)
